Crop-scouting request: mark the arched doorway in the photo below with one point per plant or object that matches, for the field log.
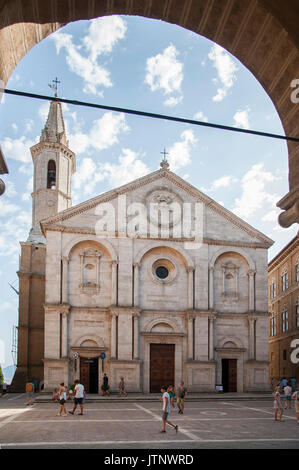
(262, 34)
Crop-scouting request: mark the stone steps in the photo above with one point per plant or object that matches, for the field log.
(194, 397)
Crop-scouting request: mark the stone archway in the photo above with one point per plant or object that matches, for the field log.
(262, 34)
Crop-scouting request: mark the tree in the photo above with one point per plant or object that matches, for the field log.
(1, 376)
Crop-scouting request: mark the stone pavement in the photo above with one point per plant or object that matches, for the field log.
(219, 423)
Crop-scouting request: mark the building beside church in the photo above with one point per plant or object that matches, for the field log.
(153, 281)
(283, 292)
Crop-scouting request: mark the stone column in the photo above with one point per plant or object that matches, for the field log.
(113, 336)
(136, 336)
(190, 336)
(251, 320)
(136, 284)
(114, 283)
(211, 338)
(251, 293)
(211, 288)
(64, 335)
(65, 262)
(190, 287)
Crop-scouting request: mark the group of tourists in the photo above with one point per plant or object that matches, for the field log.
(284, 393)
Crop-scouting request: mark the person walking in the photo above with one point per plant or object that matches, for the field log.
(30, 393)
(166, 408)
(295, 397)
(293, 384)
(288, 396)
(78, 399)
(105, 386)
(278, 404)
(181, 395)
(122, 387)
(171, 393)
(62, 399)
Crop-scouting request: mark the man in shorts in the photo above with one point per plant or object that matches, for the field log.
(78, 397)
(181, 395)
(166, 410)
(30, 392)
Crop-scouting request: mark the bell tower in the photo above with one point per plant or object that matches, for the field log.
(54, 164)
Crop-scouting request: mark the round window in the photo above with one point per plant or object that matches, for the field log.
(162, 272)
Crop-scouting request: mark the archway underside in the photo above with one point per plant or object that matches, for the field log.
(262, 34)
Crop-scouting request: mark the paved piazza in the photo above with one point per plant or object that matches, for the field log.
(135, 425)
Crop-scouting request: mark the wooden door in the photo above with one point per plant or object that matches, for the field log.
(84, 373)
(229, 375)
(161, 366)
(232, 375)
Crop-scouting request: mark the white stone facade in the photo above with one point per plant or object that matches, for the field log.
(103, 293)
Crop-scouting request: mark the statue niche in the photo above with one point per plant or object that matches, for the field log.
(230, 274)
(90, 271)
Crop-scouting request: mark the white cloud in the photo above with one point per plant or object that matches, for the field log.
(200, 116)
(103, 34)
(43, 111)
(164, 72)
(222, 182)
(254, 194)
(271, 216)
(7, 208)
(10, 189)
(14, 230)
(173, 101)
(128, 168)
(226, 70)
(29, 188)
(179, 153)
(103, 134)
(241, 119)
(18, 149)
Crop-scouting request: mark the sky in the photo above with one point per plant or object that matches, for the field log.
(153, 66)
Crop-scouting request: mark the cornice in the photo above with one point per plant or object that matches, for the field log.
(281, 257)
(57, 308)
(40, 146)
(47, 227)
(125, 310)
(50, 191)
(152, 177)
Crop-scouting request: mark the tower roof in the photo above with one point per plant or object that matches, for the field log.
(54, 130)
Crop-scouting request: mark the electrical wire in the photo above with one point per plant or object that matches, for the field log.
(150, 115)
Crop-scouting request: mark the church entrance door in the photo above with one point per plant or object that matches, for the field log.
(161, 366)
(229, 375)
(89, 374)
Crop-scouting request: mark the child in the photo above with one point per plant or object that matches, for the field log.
(277, 404)
(171, 393)
(288, 396)
(62, 399)
(122, 389)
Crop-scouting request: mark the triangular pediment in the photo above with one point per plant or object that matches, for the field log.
(162, 184)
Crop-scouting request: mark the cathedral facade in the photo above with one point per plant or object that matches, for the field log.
(153, 281)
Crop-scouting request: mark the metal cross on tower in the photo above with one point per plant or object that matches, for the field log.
(55, 87)
(164, 164)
